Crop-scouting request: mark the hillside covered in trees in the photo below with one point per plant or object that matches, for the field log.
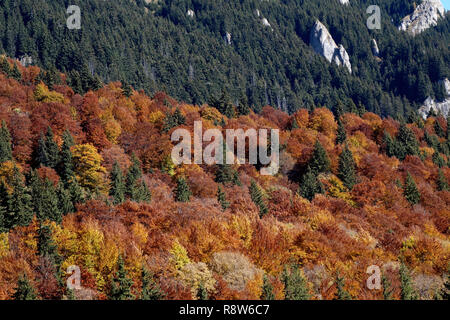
(88, 181)
(182, 47)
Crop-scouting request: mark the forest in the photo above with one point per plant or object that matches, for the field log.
(156, 46)
(87, 181)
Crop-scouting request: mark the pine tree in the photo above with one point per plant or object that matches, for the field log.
(117, 189)
(77, 194)
(389, 145)
(66, 162)
(387, 291)
(150, 289)
(256, 194)
(407, 291)
(19, 212)
(442, 183)
(5, 67)
(267, 289)
(310, 185)
(223, 104)
(225, 173)
(48, 151)
(410, 190)
(243, 108)
(133, 176)
(46, 247)
(50, 209)
(65, 199)
(15, 73)
(408, 141)
(438, 129)
(127, 90)
(295, 285)
(221, 198)
(319, 162)
(5, 144)
(341, 134)
(121, 284)
(347, 170)
(24, 290)
(438, 160)
(341, 293)
(202, 293)
(182, 191)
(142, 193)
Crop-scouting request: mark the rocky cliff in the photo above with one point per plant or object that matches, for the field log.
(323, 43)
(425, 16)
(437, 107)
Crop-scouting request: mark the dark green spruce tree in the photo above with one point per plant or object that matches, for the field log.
(347, 168)
(341, 134)
(257, 196)
(48, 151)
(295, 285)
(320, 162)
(387, 288)
(407, 291)
(221, 197)
(5, 144)
(341, 293)
(121, 283)
(442, 184)
(117, 184)
(150, 289)
(267, 289)
(410, 190)
(66, 160)
(65, 199)
(310, 185)
(182, 191)
(24, 289)
(19, 212)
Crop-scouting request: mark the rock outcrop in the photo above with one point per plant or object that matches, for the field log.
(323, 43)
(438, 107)
(425, 16)
(346, 2)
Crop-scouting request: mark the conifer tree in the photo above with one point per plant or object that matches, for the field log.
(5, 67)
(65, 199)
(46, 247)
(223, 104)
(66, 162)
(150, 289)
(221, 197)
(77, 194)
(225, 173)
(408, 141)
(202, 293)
(407, 291)
(117, 185)
(347, 170)
(410, 190)
(438, 160)
(389, 145)
(310, 185)
(341, 293)
(438, 129)
(133, 176)
(19, 212)
(243, 108)
(319, 162)
(387, 291)
(294, 124)
(48, 151)
(295, 285)
(267, 289)
(5, 144)
(182, 191)
(341, 134)
(256, 194)
(127, 90)
(24, 289)
(121, 283)
(142, 193)
(15, 73)
(442, 183)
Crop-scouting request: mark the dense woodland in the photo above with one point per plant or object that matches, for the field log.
(88, 180)
(156, 46)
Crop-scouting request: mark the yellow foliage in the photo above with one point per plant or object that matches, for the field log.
(43, 94)
(140, 233)
(318, 218)
(112, 130)
(88, 168)
(242, 226)
(156, 117)
(212, 114)
(179, 256)
(195, 274)
(4, 244)
(7, 171)
(336, 189)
